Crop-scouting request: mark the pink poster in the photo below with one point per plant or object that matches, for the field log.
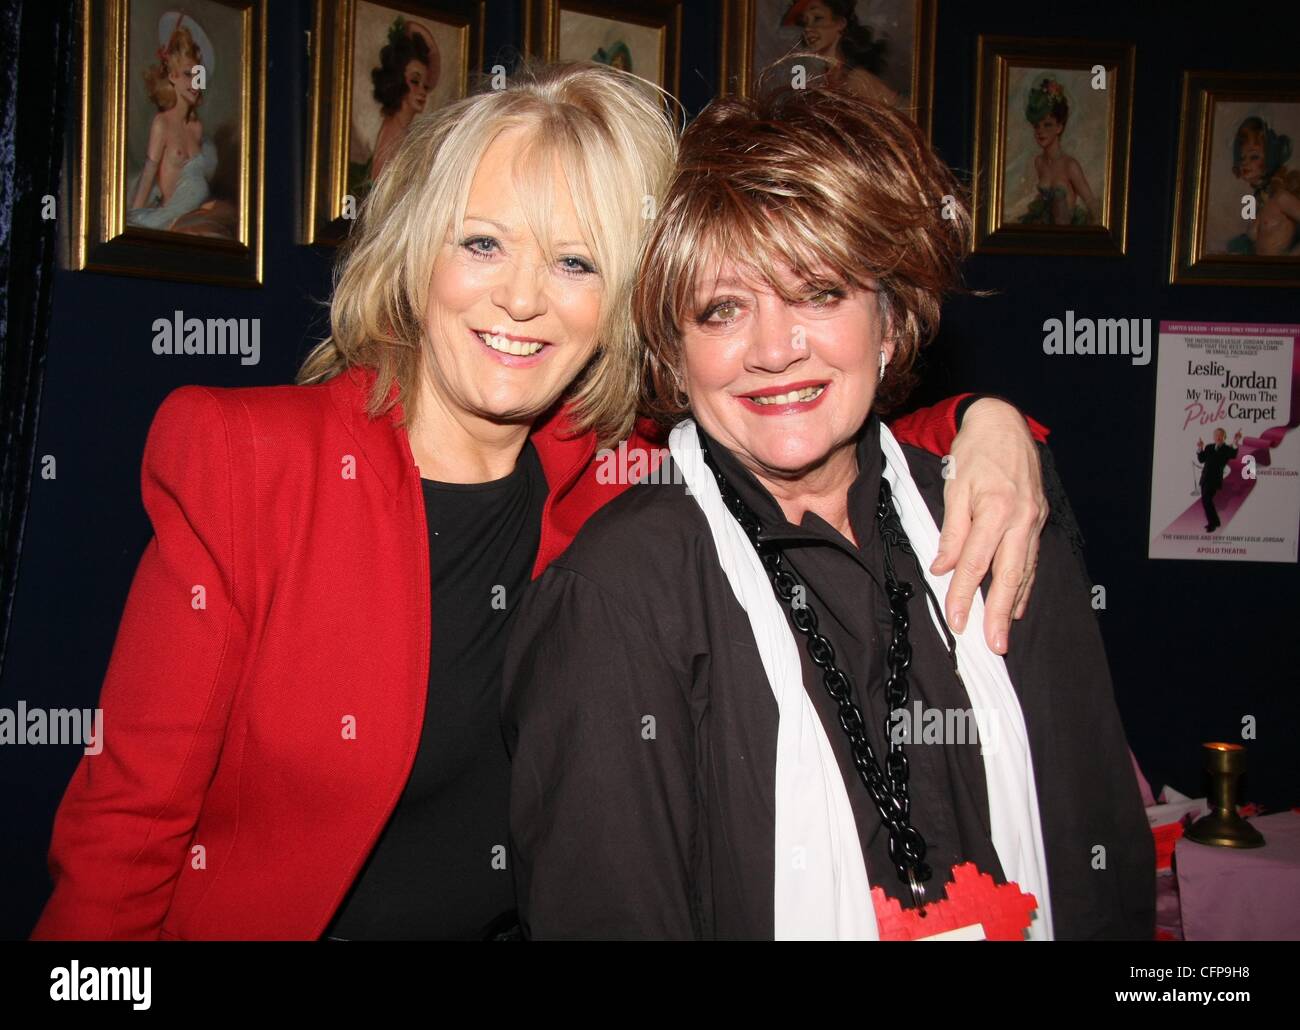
(1225, 478)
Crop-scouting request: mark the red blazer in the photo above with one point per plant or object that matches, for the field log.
(265, 696)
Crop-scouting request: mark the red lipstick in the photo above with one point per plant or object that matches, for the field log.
(795, 407)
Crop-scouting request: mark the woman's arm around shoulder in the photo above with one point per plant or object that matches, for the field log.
(994, 504)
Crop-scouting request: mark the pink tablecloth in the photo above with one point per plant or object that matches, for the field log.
(1243, 894)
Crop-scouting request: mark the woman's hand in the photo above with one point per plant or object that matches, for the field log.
(994, 510)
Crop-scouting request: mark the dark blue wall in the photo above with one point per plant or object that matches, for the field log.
(1194, 645)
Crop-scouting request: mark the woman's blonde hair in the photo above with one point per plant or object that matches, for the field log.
(615, 143)
(181, 52)
(844, 190)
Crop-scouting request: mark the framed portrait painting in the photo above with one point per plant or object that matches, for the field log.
(167, 170)
(375, 67)
(1053, 122)
(639, 36)
(1237, 204)
(882, 49)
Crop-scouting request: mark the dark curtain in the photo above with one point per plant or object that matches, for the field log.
(36, 62)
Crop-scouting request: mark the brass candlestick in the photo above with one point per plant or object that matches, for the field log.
(1223, 827)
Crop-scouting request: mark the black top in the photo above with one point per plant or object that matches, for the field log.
(440, 868)
(643, 728)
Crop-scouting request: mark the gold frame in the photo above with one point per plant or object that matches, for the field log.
(542, 29)
(996, 54)
(736, 56)
(1188, 263)
(101, 240)
(329, 115)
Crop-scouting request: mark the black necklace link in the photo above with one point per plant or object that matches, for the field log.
(888, 788)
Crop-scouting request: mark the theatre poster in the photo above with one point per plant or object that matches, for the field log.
(1244, 379)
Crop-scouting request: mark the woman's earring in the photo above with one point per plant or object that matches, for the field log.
(883, 362)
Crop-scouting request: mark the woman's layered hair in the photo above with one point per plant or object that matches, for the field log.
(842, 191)
(615, 144)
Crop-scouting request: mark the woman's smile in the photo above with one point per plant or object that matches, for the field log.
(513, 351)
(786, 399)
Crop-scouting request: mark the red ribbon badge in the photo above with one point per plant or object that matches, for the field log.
(973, 898)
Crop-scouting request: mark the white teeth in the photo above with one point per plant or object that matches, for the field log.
(806, 394)
(508, 346)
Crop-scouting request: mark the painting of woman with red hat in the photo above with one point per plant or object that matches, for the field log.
(867, 45)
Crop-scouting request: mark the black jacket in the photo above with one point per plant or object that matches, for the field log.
(643, 729)
(1215, 459)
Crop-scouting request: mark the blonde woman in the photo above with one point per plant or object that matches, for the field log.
(302, 732)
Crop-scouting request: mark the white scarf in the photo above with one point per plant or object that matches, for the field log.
(822, 891)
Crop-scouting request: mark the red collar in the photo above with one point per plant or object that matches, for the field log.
(387, 449)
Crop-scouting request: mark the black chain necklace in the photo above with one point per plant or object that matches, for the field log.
(888, 788)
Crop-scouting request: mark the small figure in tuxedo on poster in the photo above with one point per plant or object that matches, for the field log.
(1214, 460)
